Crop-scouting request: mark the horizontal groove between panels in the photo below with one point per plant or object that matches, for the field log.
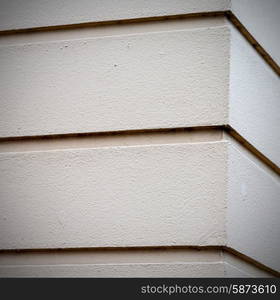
(112, 22)
(197, 134)
(261, 51)
(110, 139)
(108, 255)
(111, 30)
(117, 251)
(248, 146)
(231, 17)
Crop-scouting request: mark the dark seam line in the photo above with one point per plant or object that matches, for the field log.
(230, 16)
(227, 128)
(144, 248)
(111, 22)
(254, 43)
(241, 140)
(110, 133)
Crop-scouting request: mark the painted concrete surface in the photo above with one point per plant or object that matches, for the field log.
(103, 84)
(253, 210)
(127, 263)
(186, 135)
(200, 190)
(254, 108)
(234, 272)
(65, 198)
(183, 81)
(116, 263)
(112, 30)
(238, 267)
(114, 196)
(111, 256)
(127, 270)
(261, 19)
(17, 14)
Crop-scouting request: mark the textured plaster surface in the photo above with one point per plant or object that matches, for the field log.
(127, 263)
(115, 196)
(254, 109)
(261, 19)
(253, 210)
(125, 270)
(152, 80)
(138, 195)
(16, 14)
(115, 192)
(181, 73)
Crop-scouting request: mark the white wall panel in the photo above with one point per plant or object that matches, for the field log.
(261, 19)
(149, 80)
(16, 14)
(238, 267)
(124, 191)
(158, 195)
(125, 270)
(118, 196)
(254, 110)
(184, 262)
(253, 210)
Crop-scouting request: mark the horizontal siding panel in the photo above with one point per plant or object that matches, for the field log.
(155, 80)
(254, 110)
(215, 269)
(261, 19)
(115, 196)
(17, 14)
(253, 209)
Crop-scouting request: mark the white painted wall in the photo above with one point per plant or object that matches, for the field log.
(127, 263)
(16, 14)
(112, 256)
(154, 76)
(183, 82)
(237, 267)
(254, 110)
(261, 19)
(253, 209)
(153, 80)
(126, 270)
(158, 195)
(114, 196)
